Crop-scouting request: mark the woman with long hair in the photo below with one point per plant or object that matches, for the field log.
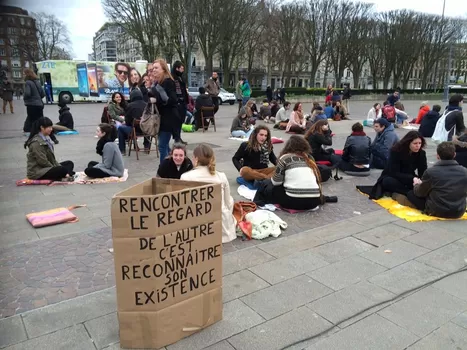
(241, 126)
(297, 121)
(112, 160)
(137, 82)
(253, 157)
(41, 162)
(318, 136)
(204, 162)
(296, 183)
(175, 165)
(33, 95)
(340, 110)
(166, 100)
(375, 112)
(406, 165)
(117, 107)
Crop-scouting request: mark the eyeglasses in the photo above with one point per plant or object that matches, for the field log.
(122, 72)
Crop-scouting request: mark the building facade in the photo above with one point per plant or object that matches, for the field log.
(16, 28)
(105, 42)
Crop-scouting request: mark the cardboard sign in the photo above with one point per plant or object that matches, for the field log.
(167, 238)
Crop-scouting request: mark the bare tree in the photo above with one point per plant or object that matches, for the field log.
(52, 36)
(374, 51)
(139, 19)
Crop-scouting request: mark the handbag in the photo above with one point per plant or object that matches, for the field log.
(53, 216)
(240, 210)
(150, 120)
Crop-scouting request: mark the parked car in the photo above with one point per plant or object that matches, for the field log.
(225, 96)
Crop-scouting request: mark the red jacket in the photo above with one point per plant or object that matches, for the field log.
(421, 113)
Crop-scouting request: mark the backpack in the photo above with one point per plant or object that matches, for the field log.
(151, 120)
(441, 134)
(389, 112)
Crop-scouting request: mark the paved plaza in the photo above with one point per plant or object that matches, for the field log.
(57, 284)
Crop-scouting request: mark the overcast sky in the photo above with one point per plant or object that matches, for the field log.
(84, 17)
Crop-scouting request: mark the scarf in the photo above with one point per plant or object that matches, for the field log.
(264, 153)
(450, 108)
(48, 140)
(100, 145)
(358, 133)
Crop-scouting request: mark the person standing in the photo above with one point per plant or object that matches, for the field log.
(269, 93)
(18, 93)
(48, 93)
(246, 91)
(7, 97)
(212, 88)
(182, 97)
(33, 95)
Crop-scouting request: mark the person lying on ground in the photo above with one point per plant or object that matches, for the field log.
(296, 183)
(356, 155)
(112, 160)
(204, 170)
(176, 164)
(41, 161)
(318, 136)
(382, 144)
(442, 190)
(252, 158)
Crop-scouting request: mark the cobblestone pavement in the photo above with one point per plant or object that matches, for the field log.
(324, 267)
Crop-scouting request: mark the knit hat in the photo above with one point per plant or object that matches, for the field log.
(383, 122)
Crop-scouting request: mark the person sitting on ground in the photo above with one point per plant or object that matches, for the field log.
(241, 126)
(297, 121)
(65, 118)
(315, 110)
(112, 160)
(296, 183)
(356, 155)
(340, 110)
(176, 164)
(401, 114)
(428, 123)
(454, 122)
(407, 164)
(203, 100)
(388, 112)
(282, 115)
(314, 106)
(374, 113)
(318, 136)
(461, 148)
(134, 111)
(205, 171)
(442, 190)
(116, 108)
(274, 109)
(318, 114)
(329, 110)
(252, 158)
(251, 111)
(265, 111)
(382, 144)
(41, 162)
(424, 109)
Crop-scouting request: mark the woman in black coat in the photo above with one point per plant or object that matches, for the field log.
(165, 96)
(406, 165)
(318, 136)
(176, 164)
(356, 155)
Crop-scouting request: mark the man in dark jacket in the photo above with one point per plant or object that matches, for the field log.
(428, 124)
(382, 144)
(442, 191)
(392, 99)
(65, 118)
(203, 100)
(182, 96)
(455, 119)
(269, 93)
(134, 111)
(356, 156)
(7, 97)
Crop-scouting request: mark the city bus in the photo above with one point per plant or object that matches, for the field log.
(79, 80)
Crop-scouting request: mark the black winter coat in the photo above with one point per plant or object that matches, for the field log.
(357, 149)
(317, 141)
(461, 149)
(428, 124)
(135, 108)
(65, 118)
(168, 169)
(253, 159)
(167, 105)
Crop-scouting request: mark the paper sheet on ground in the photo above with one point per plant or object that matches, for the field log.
(82, 179)
(407, 213)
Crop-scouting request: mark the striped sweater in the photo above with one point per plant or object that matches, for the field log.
(296, 176)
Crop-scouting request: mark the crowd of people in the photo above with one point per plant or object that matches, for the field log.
(293, 178)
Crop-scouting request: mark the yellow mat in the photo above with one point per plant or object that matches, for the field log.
(407, 213)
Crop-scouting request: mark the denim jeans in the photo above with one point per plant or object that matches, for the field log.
(241, 133)
(245, 100)
(163, 141)
(123, 131)
(189, 119)
(400, 118)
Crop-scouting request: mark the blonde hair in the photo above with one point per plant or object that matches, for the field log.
(205, 156)
(165, 70)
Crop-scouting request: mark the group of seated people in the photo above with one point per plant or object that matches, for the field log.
(42, 164)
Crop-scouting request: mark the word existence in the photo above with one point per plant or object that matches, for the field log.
(168, 208)
(174, 258)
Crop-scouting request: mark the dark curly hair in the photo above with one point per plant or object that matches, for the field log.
(404, 144)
